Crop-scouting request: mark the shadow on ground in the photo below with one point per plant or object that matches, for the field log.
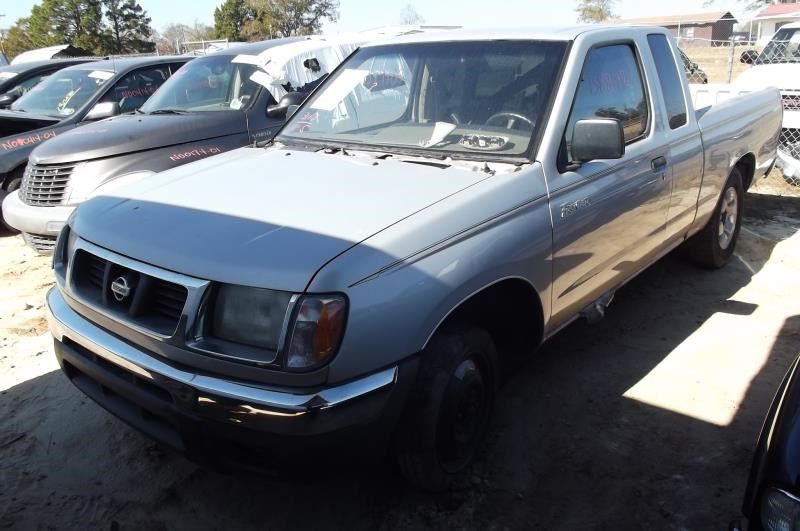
(569, 450)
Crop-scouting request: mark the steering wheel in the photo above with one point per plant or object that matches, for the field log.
(511, 119)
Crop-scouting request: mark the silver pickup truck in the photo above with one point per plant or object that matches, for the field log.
(441, 205)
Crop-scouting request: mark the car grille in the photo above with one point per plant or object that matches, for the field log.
(45, 185)
(150, 302)
(42, 243)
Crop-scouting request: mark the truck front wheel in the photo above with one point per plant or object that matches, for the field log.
(713, 246)
(447, 419)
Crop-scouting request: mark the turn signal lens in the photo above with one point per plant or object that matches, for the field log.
(317, 331)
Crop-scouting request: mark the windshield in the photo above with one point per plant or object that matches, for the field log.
(783, 48)
(63, 93)
(211, 83)
(456, 98)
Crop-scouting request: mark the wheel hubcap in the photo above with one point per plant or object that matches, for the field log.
(729, 213)
(462, 417)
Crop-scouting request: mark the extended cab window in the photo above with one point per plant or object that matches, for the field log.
(671, 86)
(133, 90)
(611, 86)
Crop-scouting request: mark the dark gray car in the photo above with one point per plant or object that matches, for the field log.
(74, 96)
(16, 80)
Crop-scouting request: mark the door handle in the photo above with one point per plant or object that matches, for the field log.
(658, 164)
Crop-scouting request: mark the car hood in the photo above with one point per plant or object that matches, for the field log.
(138, 132)
(266, 218)
(16, 122)
(784, 76)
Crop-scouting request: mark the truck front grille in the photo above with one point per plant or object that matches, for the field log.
(153, 303)
(791, 102)
(45, 185)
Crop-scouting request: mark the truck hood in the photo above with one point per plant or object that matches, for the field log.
(137, 132)
(16, 122)
(265, 218)
(784, 76)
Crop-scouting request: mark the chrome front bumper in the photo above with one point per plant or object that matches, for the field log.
(119, 370)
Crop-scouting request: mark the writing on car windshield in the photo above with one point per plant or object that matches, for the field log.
(63, 93)
(454, 97)
(211, 83)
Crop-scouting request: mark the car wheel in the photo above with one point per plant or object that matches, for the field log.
(713, 246)
(12, 186)
(447, 420)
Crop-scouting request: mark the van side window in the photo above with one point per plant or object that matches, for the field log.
(611, 86)
(671, 86)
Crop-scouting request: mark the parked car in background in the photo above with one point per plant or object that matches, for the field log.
(778, 65)
(694, 73)
(772, 499)
(440, 206)
(74, 96)
(17, 79)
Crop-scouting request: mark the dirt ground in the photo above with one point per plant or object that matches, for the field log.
(646, 420)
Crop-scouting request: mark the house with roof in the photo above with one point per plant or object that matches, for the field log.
(773, 17)
(704, 28)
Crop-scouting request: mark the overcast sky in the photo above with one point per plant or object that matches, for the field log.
(364, 14)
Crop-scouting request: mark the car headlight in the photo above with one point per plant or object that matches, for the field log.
(317, 331)
(780, 511)
(250, 316)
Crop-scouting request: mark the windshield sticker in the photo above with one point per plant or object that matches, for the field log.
(7, 75)
(102, 75)
(195, 153)
(337, 91)
(29, 140)
(140, 91)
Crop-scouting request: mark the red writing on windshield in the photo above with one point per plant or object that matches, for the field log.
(21, 141)
(141, 91)
(196, 152)
(609, 82)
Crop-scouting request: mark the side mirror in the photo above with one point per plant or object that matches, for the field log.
(102, 110)
(287, 106)
(597, 138)
(7, 99)
(749, 57)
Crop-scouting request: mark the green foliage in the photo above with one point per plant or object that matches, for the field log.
(128, 27)
(99, 26)
(230, 18)
(592, 11)
(285, 18)
(17, 38)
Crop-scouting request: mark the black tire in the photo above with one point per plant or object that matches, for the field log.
(12, 185)
(446, 423)
(713, 246)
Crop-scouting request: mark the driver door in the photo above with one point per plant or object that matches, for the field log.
(609, 217)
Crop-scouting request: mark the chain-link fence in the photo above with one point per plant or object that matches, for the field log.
(708, 61)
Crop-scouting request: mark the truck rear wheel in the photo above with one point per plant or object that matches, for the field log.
(12, 185)
(447, 420)
(713, 246)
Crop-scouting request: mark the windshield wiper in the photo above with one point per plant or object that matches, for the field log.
(168, 111)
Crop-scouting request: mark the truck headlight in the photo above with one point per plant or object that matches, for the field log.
(780, 511)
(249, 316)
(317, 331)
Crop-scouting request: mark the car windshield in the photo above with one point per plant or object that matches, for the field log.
(211, 83)
(783, 48)
(63, 93)
(462, 99)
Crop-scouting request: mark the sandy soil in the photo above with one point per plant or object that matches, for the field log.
(646, 420)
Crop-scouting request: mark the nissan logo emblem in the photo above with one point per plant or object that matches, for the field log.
(121, 288)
